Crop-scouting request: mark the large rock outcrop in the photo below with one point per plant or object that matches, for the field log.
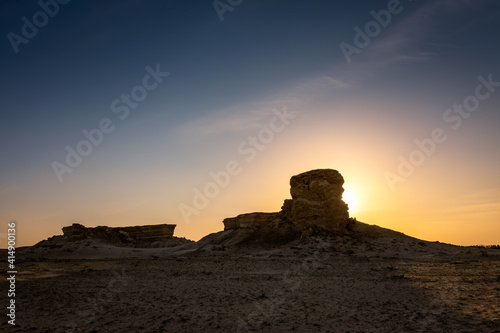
(316, 203)
(145, 236)
(143, 232)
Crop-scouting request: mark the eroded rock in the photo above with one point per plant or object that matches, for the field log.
(250, 220)
(317, 185)
(143, 232)
(145, 236)
(316, 203)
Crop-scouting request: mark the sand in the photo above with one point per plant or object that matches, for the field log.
(333, 284)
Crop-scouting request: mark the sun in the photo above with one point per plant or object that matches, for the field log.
(350, 199)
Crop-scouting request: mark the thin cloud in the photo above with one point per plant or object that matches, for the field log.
(233, 119)
(484, 200)
(256, 115)
(10, 189)
(474, 209)
(489, 195)
(405, 39)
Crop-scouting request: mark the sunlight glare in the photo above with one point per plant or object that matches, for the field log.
(350, 199)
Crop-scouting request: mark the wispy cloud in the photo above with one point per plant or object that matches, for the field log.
(488, 195)
(408, 39)
(254, 115)
(483, 200)
(10, 189)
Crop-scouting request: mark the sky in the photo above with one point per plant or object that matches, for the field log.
(138, 112)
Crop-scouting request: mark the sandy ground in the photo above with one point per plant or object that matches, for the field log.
(325, 286)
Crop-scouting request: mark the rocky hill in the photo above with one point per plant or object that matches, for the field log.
(316, 208)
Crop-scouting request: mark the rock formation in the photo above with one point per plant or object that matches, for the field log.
(316, 203)
(144, 232)
(250, 220)
(159, 235)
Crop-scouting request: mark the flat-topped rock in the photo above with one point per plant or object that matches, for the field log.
(250, 220)
(142, 232)
(156, 235)
(316, 201)
(317, 185)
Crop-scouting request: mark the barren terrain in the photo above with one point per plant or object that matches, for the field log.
(333, 284)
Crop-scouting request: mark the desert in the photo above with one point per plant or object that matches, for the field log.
(250, 166)
(306, 269)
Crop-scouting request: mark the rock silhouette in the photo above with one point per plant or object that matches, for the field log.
(145, 236)
(317, 201)
(316, 207)
(316, 204)
(144, 232)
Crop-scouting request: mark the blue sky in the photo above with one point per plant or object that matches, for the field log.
(225, 79)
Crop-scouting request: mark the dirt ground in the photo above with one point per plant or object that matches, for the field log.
(303, 289)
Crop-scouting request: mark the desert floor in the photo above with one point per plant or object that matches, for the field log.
(311, 288)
